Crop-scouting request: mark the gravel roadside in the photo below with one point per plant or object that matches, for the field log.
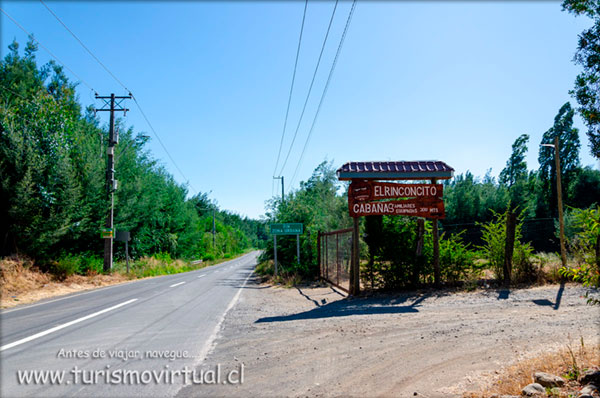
(314, 341)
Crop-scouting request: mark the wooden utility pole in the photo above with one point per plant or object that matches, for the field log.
(110, 174)
(436, 249)
(561, 221)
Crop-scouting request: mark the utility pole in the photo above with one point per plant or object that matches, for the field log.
(561, 221)
(282, 190)
(214, 228)
(112, 103)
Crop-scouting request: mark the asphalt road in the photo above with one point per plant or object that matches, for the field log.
(143, 338)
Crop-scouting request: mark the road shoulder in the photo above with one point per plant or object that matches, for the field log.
(314, 342)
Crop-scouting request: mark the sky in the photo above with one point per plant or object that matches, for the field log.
(430, 80)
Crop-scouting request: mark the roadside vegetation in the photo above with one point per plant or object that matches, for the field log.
(21, 281)
(569, 362)
(473, 235)
(53, 200)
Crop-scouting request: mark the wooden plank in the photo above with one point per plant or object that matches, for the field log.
(375, 190)
(429, 208)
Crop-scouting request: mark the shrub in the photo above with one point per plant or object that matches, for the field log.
(493, 249)
(65, 266)
(585, 243)
(208, 257)
(456, 260)
(90, 264)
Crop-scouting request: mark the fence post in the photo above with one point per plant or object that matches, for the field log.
(419, 252)
(319, 253)
(355, 264)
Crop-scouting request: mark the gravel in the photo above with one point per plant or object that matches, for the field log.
(313, 341)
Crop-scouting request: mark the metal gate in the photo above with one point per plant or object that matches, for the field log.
(335, 254)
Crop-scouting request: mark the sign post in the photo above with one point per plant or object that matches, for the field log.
(124, 236)
(371, 194)
(275, 252)
(293, 228)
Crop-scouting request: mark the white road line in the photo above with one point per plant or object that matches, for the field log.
(201, 276)
(177, 284)
(64, 325)
(93, 290)
(210, 343)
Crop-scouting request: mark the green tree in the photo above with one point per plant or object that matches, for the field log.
(514, 175)
(53, 199)
(586, 89)
(516, 167)
(569, 145)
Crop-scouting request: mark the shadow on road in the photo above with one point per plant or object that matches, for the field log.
(348, 307)
(556, 304)
(503, 294)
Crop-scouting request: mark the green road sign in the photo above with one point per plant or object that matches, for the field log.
(106, 233)
(292, 228)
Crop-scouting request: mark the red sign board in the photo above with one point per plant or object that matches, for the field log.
(374, 190)
(430, 208)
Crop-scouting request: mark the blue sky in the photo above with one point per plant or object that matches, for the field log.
(451, 81)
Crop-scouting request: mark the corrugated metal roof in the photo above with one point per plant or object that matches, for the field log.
(399, 170)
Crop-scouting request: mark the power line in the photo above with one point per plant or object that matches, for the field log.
(161, 143)
(46, 49)
(310, 87)
(83, 45)
(287, 112)
(324, 90)
(125, 87)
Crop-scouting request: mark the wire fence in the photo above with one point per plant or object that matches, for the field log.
(335, 254)
(540, 232)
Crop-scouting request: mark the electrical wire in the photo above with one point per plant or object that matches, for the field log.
(46, 49)
(132, 96)
(287, 112)
(84, 46)
(161, 143)
(310, 87)
(342, 39)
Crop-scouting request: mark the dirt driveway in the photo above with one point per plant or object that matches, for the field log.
(315, 342)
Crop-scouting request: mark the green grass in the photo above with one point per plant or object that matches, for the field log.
(163, 264)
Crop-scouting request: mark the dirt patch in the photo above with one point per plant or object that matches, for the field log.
(316, 342)
(22, 283)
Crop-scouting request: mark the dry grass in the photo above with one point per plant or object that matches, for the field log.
(567, 362)
(22, 283)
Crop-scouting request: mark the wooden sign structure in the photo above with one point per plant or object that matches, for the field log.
(368, 196)
(425, 199)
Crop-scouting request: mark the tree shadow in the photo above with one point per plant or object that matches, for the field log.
(238, 282)
(503, 294)
(352, 306)
(556, 304)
